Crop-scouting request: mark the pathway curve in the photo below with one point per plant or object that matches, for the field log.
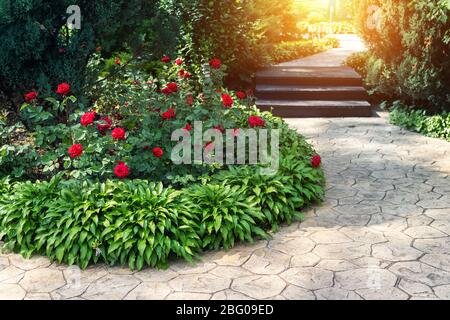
(383, 233)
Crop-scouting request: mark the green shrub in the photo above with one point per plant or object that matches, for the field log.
(38, 51)
(409, 50)
(291, 50)
(436, 126)
(359, 62)
(226, 214)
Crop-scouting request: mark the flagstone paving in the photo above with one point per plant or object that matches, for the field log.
(382, 233)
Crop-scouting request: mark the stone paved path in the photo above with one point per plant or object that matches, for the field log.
(383, 233)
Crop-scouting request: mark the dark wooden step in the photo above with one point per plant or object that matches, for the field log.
(290, 92)
(309, 76)
(316, 108)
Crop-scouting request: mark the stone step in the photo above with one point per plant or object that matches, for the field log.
(290, 92)
(309, 76)
(316, 108)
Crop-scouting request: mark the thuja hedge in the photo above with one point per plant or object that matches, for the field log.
(142, 223)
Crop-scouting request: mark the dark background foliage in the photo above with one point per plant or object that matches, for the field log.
(409, 50)
(38, 51)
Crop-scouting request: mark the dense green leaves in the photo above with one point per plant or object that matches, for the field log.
(409, 44)
(437, 126)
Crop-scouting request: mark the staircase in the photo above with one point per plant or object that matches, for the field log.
(310, 91)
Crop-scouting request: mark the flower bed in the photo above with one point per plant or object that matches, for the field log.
(103, 186)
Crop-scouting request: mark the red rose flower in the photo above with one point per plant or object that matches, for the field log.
(187, 75)
(63, 89)
(190, 100)
(188, 127)
(255, 121)
(181, 73)
(145, 148)
(88, 118)
(215, 63)
(179, 61)
(105, 124)
(219, 128)
(169, 114)
(118, 62)
(316, 161)
(172, 86)
(158, 152)
(241, 95)
(31, 96)
(118, 134)
(227, 100)
(75, 151)
(166, 91)
(165, 59)
(121, 170)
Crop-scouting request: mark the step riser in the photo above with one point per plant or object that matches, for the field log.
(289, 95)
(319, 112)
(307, 81)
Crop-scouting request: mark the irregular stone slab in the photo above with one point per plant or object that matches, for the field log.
(389, 174)
(402, 210)
(29, 264)
(442, 203)
(304, 260)
(441, 225)
(357, 209)
(370, 278)
(439, 214)
(333, 236)
(395, 251)
(439, 245)
(353, 219)
(153, 275)
(230, 272)
(443, 292)
(230, 295)
(188, 296)
(419, 221)
(267, 261)
(336, 294)
(293, 246)
(387, 222)
(11, 292)
(382, 294)
(77, 281)
(38, 296)
(111, 287)
(351, 250)
(440, 261)
(236, 256)
(363, 234)
(4, 263)
(309, 278)
(183, 267)
(399, 197)
(416, 289)
(259, 287)
(424, 232)
(149, 291)
(421, 272)
(201, 283)
(42, 280)
(295, 293)
(336, 265)
(11, 274)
